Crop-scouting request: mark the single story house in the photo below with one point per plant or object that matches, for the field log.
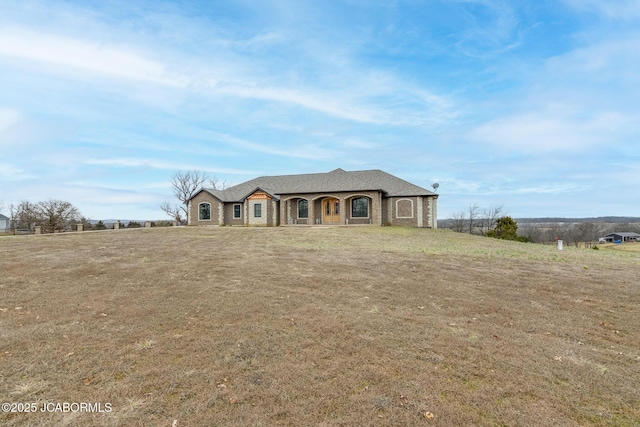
(338, 197)
(5, 224)
(620, 237)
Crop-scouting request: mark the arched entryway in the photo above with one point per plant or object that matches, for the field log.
(331, 211)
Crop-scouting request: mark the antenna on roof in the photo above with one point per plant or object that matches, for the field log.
(435, 186)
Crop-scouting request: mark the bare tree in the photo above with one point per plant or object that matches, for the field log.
(490, 216)
(216, 185)
(533, 232)
(174, 211)
(458, 221)
(57, 215)
(184, 185)
(586, 232)
(473, 211)
(52, 215)
(24, 215)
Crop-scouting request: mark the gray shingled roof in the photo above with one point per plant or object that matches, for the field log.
(331, 182)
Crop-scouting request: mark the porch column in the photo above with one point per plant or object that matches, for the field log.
(343, 211)
(312, 212)
(283, 208)
(378, 220)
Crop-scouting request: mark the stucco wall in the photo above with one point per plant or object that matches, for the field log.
(228, 214)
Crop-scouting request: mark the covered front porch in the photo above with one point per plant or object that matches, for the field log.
(331, 209)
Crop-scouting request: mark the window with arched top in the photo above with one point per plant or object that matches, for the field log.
(204, 211)
(303, 208)
(360, 207)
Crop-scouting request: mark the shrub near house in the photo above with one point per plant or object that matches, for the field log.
(506, 229)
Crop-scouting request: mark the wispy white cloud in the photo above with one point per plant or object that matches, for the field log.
(107, 59)
(611, 60)
(8, 118)
(164, 165)
(10, 172)
(301, 150)
(496, 29)
(615, 9)
(359, 143)
(550, 189)
(539, 132)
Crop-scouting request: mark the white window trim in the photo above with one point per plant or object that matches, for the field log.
(210, 211)
(404, 217)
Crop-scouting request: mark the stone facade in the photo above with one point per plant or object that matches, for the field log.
(247, 205)
(413, 211)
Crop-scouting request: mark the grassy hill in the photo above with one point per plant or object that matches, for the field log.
(317, 326)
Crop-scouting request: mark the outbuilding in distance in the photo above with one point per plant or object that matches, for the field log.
(620, 237)
(5, 224)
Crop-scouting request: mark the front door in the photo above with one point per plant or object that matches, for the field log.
(331, 211)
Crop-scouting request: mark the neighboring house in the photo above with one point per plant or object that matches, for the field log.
(337, 197)
(5, 224)
(620, 237)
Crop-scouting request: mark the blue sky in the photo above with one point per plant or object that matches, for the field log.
(528, 104)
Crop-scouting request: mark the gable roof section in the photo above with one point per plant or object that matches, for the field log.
(3, 217)
(331, 182)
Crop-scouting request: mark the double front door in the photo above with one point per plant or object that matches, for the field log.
(331, 211)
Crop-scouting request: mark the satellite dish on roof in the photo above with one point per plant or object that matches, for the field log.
(435, 186)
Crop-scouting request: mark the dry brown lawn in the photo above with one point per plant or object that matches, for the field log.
(317, 326)
(625, 247)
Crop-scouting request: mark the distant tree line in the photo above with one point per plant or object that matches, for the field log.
(57, 216)
(492, 222)
(573, 233)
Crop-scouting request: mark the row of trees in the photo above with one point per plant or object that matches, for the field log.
(573, 233)
(185, 185)
(51, 215)
(493, 223)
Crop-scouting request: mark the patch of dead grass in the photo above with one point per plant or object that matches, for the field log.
(317, 326)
